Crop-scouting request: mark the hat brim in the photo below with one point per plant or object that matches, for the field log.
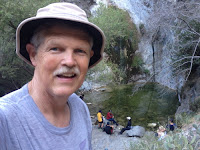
(26, 28)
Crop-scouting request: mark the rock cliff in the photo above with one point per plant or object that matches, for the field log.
(156, 46)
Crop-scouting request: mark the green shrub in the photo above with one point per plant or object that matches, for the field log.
(105, 72)
(172, 141)
(121, 38)
(195, 106)
(184, 118)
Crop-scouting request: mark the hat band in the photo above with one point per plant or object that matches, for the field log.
(63, 15)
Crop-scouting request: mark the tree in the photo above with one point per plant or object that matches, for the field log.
(13, 72)
(121, 37)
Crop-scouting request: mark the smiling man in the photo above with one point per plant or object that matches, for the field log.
(45, 114)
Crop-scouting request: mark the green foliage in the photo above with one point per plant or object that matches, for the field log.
(12, 69)
(195, 106)
(115, 23)
(184, 118)
(137, 62)
(105, 72)
(101, 73)
(142, 29)
(121, 37)
(138, 65)
(173, 141)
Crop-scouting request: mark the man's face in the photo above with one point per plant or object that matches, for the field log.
(61, 61)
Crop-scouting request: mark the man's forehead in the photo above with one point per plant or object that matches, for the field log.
(60, 29)
(67, 31)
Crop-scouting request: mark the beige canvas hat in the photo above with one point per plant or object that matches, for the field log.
(59, 11)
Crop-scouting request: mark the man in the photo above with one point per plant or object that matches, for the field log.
(161, 132)
(82, 96)
(109, 128)
(61, 44)
(100, 119)
(171, 126)
(128, 126)
(110, 117)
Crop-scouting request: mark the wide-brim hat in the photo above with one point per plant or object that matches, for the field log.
(61, 11)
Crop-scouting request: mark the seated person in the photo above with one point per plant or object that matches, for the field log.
(109, 128)
(128, 126)
(82, 96)
(171, 125)
(161, 132)
(110, 117)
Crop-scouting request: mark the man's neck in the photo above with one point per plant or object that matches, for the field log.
(55, 110)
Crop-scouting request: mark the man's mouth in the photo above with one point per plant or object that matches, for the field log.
(66, 75)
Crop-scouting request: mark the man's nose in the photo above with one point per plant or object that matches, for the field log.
(68, 59)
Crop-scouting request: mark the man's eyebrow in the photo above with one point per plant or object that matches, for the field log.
(53, 42)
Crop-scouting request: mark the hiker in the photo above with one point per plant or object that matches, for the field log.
(161, 132)
(110, 117)
(82, 96)
(45, 114)
(128, 126)
(109, 128)
(100, 119)
(171, 126)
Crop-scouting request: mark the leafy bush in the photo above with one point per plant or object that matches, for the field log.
(13, 71)
(105, 72)
(173, 141)
(188, 139)
(121, 37)
(195, 106)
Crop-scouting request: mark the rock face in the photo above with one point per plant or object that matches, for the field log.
(136, 131)
(156, 53)
(190, 95)
(84, 4)
(156, 56)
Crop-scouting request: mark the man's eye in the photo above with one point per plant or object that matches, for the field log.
(80, 51)
(54, 49)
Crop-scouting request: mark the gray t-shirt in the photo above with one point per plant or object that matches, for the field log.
(23, 126)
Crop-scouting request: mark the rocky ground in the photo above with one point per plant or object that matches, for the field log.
(103, 141)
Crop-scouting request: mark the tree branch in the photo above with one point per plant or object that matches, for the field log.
(12, 25)
(192, 59)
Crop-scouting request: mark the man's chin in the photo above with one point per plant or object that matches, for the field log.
(62, 93)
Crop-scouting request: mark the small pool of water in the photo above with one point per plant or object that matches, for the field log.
(152, 103)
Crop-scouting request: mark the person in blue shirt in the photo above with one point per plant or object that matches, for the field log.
(45, 114)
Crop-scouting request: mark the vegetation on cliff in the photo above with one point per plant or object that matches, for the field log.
(14, 72)
(121, 41)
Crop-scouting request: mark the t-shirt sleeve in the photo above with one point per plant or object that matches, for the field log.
(3, 129)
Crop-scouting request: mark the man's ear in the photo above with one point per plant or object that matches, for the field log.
(32, 53)
(91, 53)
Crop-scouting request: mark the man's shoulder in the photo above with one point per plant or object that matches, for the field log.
(13, 97)
(76, 100)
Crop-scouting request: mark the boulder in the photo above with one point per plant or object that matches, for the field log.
(136, 131)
